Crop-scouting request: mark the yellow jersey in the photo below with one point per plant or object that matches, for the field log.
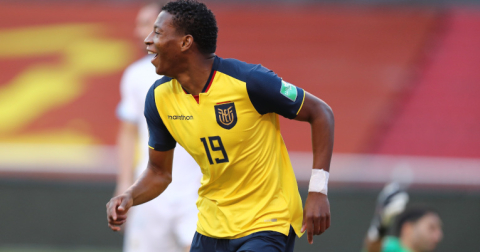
(232, 131)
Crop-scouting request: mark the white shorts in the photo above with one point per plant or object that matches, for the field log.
(160, 226)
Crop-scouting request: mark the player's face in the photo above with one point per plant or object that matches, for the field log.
(144, 22)
(165, 42)
(428, 232)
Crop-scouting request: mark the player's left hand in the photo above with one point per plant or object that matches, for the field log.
(316, 215)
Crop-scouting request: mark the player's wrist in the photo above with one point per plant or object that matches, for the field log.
(376, 230)
(319, 181)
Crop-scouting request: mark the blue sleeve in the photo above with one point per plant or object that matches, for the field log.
(160, 138)
(270, 94)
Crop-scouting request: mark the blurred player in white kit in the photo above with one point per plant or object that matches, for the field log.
(167, 223)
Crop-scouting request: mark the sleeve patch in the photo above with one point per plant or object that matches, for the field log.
(270, 94)
(288, 90)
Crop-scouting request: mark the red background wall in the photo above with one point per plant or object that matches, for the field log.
(364, 62)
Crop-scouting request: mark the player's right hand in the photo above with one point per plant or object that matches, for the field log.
(391, 201)
(316, 215)
(117, 209)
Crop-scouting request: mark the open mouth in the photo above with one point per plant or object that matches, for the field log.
(156, 54)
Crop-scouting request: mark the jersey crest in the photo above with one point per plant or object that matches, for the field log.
(226, 115)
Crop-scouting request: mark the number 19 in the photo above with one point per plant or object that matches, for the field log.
(215, 148)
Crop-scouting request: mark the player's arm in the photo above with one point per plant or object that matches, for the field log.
(316, 215)
(391, 201)
(127, 138)
(128, 112)
(158, 175)
(320, 116)
(372, 246)
(153, 181)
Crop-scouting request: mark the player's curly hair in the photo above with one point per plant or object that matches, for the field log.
(194, 18)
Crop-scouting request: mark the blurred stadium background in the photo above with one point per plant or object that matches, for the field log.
(403, 78)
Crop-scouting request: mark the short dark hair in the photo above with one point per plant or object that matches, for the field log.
(194, 18)
(411, 215)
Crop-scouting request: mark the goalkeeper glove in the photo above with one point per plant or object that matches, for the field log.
(391, 201)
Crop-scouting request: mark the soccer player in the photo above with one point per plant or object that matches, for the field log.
(224, 112)
(166, 223)
(418, 229)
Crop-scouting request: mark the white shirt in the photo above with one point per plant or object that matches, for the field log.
(136, 81)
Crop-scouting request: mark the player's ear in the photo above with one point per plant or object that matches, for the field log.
(187, 42)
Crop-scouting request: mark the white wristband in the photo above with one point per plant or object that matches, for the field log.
(319, 181)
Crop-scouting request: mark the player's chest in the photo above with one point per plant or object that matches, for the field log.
(211, 114)
(215, 125)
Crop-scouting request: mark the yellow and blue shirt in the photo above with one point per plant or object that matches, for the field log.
(232, 131)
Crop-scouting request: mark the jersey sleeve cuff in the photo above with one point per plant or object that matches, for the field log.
(160, 147)
(301, 105)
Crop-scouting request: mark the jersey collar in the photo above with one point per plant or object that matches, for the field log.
(205, 89)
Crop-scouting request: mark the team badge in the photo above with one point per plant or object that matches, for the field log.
(226, 115)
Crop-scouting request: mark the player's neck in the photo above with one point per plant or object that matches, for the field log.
(408, 244)
(196, 74)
